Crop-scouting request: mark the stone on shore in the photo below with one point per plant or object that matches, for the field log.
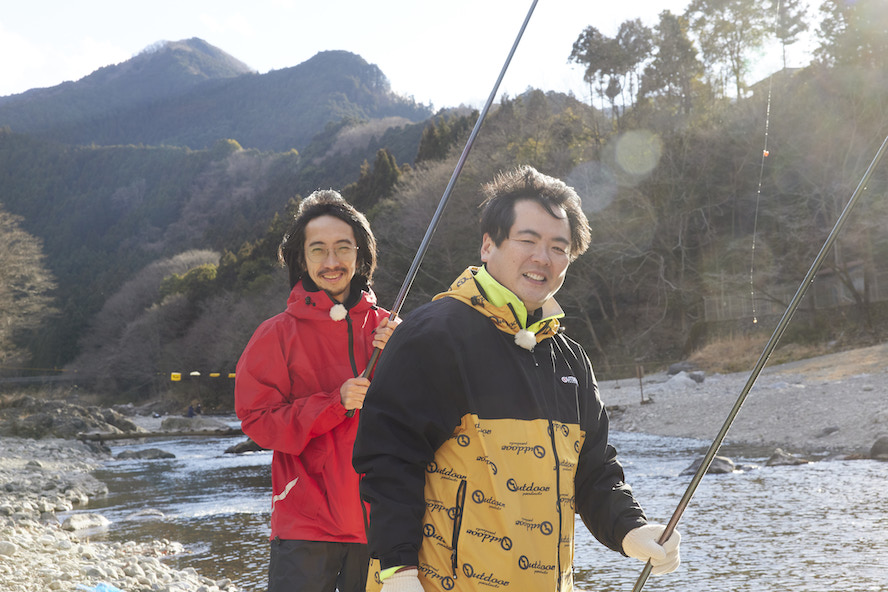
(719, 466)
(879, 451)
(780, 458)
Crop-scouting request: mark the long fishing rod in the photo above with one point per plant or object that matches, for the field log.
(763, 359)
(436, 218)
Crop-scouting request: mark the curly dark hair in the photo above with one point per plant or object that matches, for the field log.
(327, 202)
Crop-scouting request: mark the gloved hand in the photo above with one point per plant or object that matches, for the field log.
(641, 543)
(403, 581)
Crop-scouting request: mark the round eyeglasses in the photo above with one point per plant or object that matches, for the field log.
(344, 253)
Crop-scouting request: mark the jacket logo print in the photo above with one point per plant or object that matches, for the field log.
(487, 536)
(525, 564)
(537, 450)
(489, 462)
(545, 527)
(433, 467)
(491, 579)
(570, 380)
(526, 488)
(447, 582)
(479, 498)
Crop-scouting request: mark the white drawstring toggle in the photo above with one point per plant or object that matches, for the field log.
(525, 339)
(338, 312)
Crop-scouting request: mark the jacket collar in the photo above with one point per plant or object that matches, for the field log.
(307, 301)
(478, 289)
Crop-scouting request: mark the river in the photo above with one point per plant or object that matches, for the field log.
(820, 527)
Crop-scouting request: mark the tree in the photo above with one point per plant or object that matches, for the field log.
(598, 54)
(25, 288)
(790, 22)
(635, 41)
(373, 184)
(675, 65)
(853, 33)
(615, 60)
(727, 30)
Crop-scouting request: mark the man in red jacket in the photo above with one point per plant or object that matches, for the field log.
(296, 381)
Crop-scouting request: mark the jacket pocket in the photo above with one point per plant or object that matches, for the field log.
(457, 523)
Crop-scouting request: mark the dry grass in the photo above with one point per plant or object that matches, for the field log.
(738, 354)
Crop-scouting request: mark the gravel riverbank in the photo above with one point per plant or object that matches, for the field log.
(42, 548)
(832, 404)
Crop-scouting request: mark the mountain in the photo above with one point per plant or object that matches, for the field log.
(190, 93)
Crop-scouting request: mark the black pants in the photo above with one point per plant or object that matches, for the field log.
(317, 566)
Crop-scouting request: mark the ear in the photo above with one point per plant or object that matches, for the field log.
(487, 247)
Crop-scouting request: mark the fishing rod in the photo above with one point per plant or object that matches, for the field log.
(763, 359)
(436, 218)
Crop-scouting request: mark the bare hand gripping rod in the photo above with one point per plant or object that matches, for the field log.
(763, 359)
(433, 225)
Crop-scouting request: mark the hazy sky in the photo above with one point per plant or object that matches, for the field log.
(444, 53)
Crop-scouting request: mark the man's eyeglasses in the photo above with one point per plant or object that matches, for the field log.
(344, 253)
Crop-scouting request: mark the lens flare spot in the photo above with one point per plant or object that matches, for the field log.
(638, 152)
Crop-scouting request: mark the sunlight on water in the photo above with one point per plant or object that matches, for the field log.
(821, 527)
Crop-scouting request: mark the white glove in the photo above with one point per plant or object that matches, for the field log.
(641, 543)
(402, 581)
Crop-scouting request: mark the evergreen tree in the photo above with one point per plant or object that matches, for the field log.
(727, 31)
(675, 65)
(791, 22)
(853, 33)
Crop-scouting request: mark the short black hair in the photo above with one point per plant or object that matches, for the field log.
(526, 183)
(327, 202)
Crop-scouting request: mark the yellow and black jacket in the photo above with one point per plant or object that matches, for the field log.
(477, 453)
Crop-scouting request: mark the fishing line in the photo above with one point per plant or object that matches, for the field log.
(430, 231)
(758, 195)
(763, 359)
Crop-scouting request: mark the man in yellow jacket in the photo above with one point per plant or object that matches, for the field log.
(483, 433)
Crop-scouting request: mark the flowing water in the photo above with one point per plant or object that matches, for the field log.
(821, 527)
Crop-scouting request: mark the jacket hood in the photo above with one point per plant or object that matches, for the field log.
(478, 289)
(315, 304)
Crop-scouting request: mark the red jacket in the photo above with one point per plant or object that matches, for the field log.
(287, 397)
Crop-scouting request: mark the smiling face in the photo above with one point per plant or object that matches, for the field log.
(532, 261)
(331, 274)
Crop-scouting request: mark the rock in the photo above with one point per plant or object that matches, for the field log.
(7, 548)
(827, 431)
(178, 424)
(697, 376)
(29, 417)
(719, 466)
(85, 521)
(248, 446)
(879, 451)
(781, 458)
(148, 453)
(685, 366)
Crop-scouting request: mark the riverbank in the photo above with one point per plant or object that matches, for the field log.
(834, 404)
(40, 549)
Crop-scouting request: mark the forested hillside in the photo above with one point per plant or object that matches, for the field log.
(708, 197)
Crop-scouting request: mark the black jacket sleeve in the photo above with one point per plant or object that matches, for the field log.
(604, 501)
